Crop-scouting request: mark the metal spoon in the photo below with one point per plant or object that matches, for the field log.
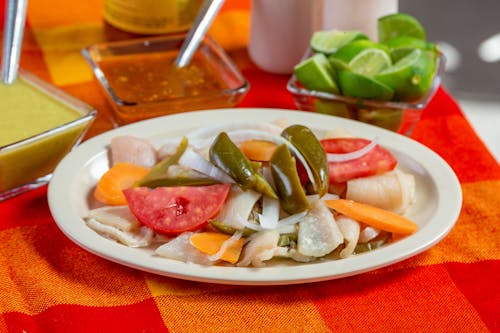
(200, 26)
(15, 11)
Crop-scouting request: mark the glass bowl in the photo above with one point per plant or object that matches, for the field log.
(40, 124)
(400, 117)
(140, 79)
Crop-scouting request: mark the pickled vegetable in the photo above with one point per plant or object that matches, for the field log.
(229, 158)
(160, 169)
(286, 179)
(309, 146)
(227, 229)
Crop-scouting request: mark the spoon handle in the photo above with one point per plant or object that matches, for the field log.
(15, 12)
(200, 26)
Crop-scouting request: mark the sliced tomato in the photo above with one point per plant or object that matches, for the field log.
(173, 210)
(376, 161)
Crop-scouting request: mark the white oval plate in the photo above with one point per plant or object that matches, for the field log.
(439, 200)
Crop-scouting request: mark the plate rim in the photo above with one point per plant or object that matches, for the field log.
(442, 175)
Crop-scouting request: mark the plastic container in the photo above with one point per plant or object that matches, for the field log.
(140, 80)
(45, 125)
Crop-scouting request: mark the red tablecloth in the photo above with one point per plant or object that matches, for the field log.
(49, 284)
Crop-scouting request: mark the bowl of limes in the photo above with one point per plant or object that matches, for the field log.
(386, 83)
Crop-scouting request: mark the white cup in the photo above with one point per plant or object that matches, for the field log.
(280, 31)
(359, 15)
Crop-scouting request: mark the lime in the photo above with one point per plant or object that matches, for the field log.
(411, 77)
(316, 73)
(329, 41)
(386, 118)
(403, 45)
(347, 52)
(332, 108)
(338, 64)
(399, 24)
(361, 86)
(410, 42)
(362, 56)
(369, 62)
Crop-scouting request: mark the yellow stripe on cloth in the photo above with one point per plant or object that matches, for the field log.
(245, 309)
(61, 47)
(41, 268)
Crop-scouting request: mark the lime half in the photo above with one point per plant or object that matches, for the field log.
(399, 24)
(370, 61)
(329, 41)
(403, 45)
(338, 64)
(347, 52)
(411, 77)
(316, 73)
(361, 86)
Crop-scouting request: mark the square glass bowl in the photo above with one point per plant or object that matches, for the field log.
(40, 124)
(140, 79)
(400, 117)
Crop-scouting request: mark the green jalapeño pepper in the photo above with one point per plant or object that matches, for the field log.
(229, 158)
(308, 145)
(160, 169)
(286, 179)
(177, 181)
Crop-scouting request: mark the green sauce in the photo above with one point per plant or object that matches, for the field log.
(27, 111)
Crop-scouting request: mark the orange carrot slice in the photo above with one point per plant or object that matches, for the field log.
(376, 217)
(211, 242)
(258, 150)
(109, 189)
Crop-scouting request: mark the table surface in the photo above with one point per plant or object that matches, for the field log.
(50, 284)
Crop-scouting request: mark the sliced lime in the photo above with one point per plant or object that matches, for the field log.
(360, 86)
(403, 45)
(347, 52)
(399, 24)
(409, 42)
(316, 73)
(411, 77)
(338, 64)
(329, 41)
(370, 61)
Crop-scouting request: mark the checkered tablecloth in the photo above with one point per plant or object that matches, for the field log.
(49, 284)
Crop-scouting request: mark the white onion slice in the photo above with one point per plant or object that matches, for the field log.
(293, 219)
(368, 233)
(212, 131)
(270, 213)
(198, 163)
(352, 155)
(229, 242)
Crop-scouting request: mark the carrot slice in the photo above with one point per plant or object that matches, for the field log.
(109, 189)
(373, 216)
(211, 242)
(258, 150)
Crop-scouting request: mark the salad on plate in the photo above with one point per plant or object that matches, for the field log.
(245, 193)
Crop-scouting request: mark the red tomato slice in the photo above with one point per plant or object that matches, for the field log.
(376, 161)
(173, 210)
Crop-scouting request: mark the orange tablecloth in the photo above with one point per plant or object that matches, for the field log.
(49, 284)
